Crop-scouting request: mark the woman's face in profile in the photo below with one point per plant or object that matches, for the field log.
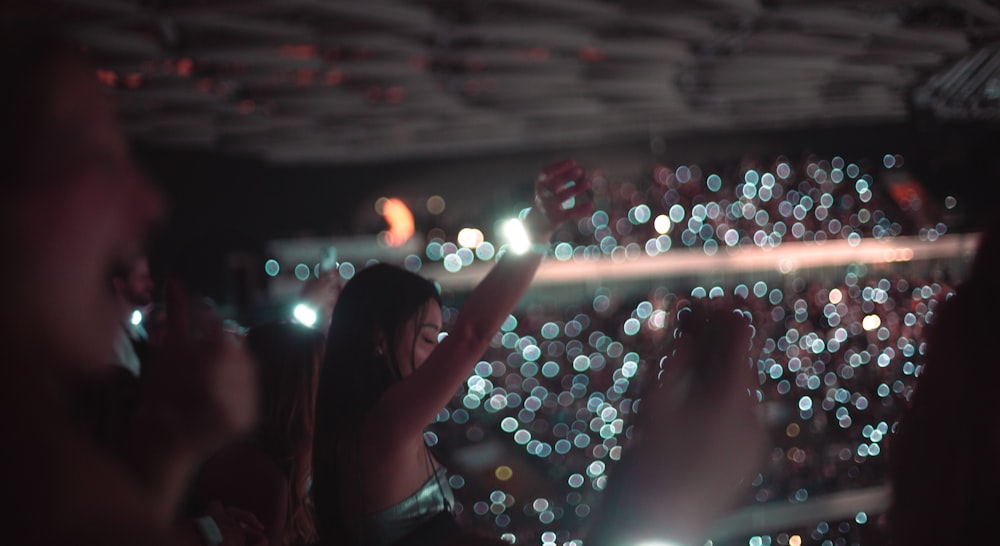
(418, 338)
(85, 212)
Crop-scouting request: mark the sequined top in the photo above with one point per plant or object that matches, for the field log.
(397, 521)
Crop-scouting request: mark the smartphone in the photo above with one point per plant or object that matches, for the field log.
(328, 259)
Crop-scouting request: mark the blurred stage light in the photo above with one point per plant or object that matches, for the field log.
(400, 221)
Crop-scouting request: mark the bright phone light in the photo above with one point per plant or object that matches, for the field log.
(136, 317)
(305, 314)
(871, 322)
(517, 236)
(662, 224)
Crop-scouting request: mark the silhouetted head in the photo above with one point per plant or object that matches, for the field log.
(944, 472)
(134, 283)
(74, 208)
(288, 357)
(384, 325)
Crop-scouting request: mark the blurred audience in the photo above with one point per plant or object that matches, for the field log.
(721, 205)
(269, 473)
(835, 360)
(134, 287)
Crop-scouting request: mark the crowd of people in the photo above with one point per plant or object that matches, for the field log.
(282, 436)
(836, 364)
(750, 203)
(191, 434)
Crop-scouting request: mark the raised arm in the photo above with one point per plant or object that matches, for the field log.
(699, 438)
(200, 394)
(409, 405)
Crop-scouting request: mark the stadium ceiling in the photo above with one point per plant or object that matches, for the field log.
(368, 80)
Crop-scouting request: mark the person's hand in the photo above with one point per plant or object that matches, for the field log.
(321, 293)
(700, 436)
(237, 526)
(203, 385)
(703, 412)
(561, 194)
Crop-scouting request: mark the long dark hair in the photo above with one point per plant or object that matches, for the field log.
(288, 356)
(360, 365)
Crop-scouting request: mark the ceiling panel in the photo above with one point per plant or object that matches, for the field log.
(351, 80)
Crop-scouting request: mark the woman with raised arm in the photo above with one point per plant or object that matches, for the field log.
(386, 376)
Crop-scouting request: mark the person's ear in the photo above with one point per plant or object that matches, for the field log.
(381, 342)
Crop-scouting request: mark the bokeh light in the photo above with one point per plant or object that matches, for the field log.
(400, 220)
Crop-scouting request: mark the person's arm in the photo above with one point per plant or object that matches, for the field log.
(699, 438)
(321, 294)
(275, 516)
(222, 526)
(409, 405)
(199, 395)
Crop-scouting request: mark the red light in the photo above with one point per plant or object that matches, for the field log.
(185, 66)
(107, 77)
(133, 80)
(333, 77)
(305, 76)
(333, 54)
(592, 55)
(537, 54)
(400, 220)
(299, 51)
(395, 94)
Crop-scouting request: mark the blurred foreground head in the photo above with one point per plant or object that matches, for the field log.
(74, 208)
(945, 475)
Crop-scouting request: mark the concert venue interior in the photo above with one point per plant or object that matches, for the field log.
(827, 167)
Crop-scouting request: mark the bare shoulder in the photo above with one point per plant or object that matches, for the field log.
(390, 474)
